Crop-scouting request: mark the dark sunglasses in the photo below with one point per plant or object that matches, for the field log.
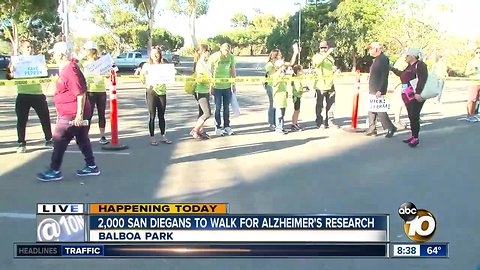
(477, 52)
(323, 48)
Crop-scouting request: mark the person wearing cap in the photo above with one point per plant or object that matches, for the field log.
(30, 96)
(414, 76)
(377, 85)
(473, 72)
(73, 109)
(97, 90)
(324, 66)
(222, 65)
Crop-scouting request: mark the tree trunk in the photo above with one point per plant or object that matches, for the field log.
(191, 25)
(149, 31)
(354, 61)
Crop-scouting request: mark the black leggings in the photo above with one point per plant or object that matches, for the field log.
(204, 109)
(99, 100)
(414, 108)
(22, 108)
(156, 105)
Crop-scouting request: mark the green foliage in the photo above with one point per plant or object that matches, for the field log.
(239, 20)
(187, 7)
(33, 19)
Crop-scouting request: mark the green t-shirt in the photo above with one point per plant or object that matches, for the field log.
(220, 67)
(95, 83)
(279, 90)
(323, 69)
(203, 78)
(269, 69)
(160, 89)
(29, 89)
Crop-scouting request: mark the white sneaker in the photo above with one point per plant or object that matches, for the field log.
(219, 132)
(229, 131)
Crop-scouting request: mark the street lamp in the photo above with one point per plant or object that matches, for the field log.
(299, 26)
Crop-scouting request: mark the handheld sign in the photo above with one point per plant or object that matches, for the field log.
(378, 104)
(101, 66)
(29, 66)
(160, 74)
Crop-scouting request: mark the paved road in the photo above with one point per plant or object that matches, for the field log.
(256, 171)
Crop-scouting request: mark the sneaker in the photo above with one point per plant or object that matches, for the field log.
(50, 175)
(88, 170)
(203, 135)
(294, 128)
(414, 142)
(472, 119)
(300, 128)
(408, 140)
(49, 144)
(272, 127)
(103, 140)
(281, 131)
(22, 148)
(229, 131)
(219, 132)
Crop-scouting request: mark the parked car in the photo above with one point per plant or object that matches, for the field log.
(176, 58)
(167, 55)
(131, 60)
(4, 61)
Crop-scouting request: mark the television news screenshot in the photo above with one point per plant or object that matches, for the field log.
(222, 134)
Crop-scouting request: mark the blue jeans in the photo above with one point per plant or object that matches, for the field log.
(280, 121)
(271, 110)
(222, 96)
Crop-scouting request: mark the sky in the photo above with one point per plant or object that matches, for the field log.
(462, 21)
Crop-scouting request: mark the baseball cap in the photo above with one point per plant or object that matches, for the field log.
(59, 48)
(90, 45)
(375, 45)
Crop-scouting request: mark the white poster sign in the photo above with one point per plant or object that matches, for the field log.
(378, 104)
(101, 66)
(160, 74)
(29, 66)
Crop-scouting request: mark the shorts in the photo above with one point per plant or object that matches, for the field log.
(474, 93)
(296, 103)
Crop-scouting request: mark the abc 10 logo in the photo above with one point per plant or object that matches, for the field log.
(419, 224)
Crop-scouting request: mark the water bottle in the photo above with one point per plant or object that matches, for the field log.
(84, 123)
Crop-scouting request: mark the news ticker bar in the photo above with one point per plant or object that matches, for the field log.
(133, 208)
(425, 250)
(199, 250)
(212, 228)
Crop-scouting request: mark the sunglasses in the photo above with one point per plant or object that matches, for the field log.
(477, 52)
(323, 48)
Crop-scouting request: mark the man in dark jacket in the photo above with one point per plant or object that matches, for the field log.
(377, 86)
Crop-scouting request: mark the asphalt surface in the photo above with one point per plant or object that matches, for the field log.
(257, 171)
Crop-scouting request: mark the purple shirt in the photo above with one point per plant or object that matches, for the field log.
(71, 83)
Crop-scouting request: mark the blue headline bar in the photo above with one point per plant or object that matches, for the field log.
(239, 222)
(434, 250)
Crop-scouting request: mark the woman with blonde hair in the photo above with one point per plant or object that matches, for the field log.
(156, 97)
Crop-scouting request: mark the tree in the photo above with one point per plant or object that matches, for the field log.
(239, 20)
(148, 9)
(193, 9)
(19, 16)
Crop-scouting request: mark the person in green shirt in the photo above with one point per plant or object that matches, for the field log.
(274, 55)
(156, 97)
(280, 89)
(324, 66)
(297, 90)
(97, 90)
(222, 64)
(30, 96)
(202, 93)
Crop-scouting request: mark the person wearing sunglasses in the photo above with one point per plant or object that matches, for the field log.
(30, 96)
(324, 66)
(473, 72)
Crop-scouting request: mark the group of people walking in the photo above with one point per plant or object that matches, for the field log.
(78, 93)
